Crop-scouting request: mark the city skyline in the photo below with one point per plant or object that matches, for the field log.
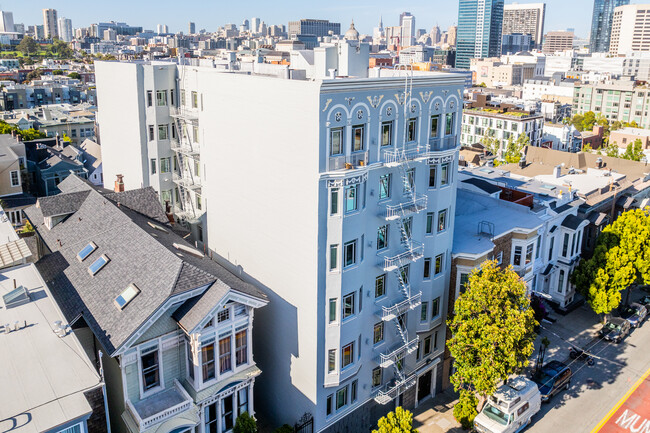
(366, 14)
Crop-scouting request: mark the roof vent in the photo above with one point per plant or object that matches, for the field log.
(189, 250)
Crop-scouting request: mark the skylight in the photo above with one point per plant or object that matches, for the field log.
(126, 296)
(86, 251)
(16, 297)
(98, 264)
(549, 187)
(157, 227)
(486, 170)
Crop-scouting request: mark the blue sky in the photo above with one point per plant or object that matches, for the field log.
(560, 14)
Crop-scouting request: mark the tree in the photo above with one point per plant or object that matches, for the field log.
(61, 49)
(57, 72)
(245, 424)
(514, 148)
(28, 46)
(465, 410)
(576, 121)
(588, 121)
(587, 147)
(490, 142)
(611, 149)
(33, 75)
(621, 258)
(492, 330)
(634, 151)
(74, 75)
(615, 125)
(400, 421)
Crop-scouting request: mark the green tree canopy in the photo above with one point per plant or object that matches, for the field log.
(490, 142)
(33, 75)
(26, 135)
(400, 421)
(57, 72)
(28, 46)
(61, 49)
(621, 258)
(589, 121)
(634, 151)
(74, 75)
(492, 329)
(245, 424)
(514, 148)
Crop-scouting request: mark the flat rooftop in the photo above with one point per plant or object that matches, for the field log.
(47, 375)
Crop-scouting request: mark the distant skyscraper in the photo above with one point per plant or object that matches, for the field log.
(526, 19)
(407, 23)
(191, 28)
(318, 28)
(630, 30)
(452, 31)
(50, 24)
(6, 21)
(245, 25)
(479, 30)
(255, 23)
(65, 29)
(162, 29)
(435, 35)
(557, 41)
(601, 24)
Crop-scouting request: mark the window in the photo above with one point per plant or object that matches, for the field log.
(162, 132)
(350, 253)
(195, 100)
(334, 201)
(126, 296)
(351, 198)
(241, 348)
(336, 141)
(449, 123)
(424, 314)
(165, 165)
(357, 138)
(378, 333)
(550, 249)
(432, 176)
(333, 257)
(439, 264)
(223, 315)
(434, 125)
(427, 268)
(207, 361)
(98, 264)
(411, 132)
(225, 362)
(387, 133)
(190, 361)
(376, 376)
(539, 244)
(151, 133)
(404, 273)
(195, 134)
(464, 279)
(347, 355)
(341, 397)
(565, 245)
(161, 98)
(435, 308)
(328, 409)
(149, 98)
(382, 237)
(353, 391)
(429, 227)
(560, 283)
(150, 368)
(427, 345)
(242, 401)
(523, 409)
(500, 258)
(380, 286)
(517, 258)
(444, 174)
(407, 224)
(332, 313)
(227, 414)
(348, 306)
(15, 179)
(410, 175)
(86, 251)
(77, 428)
(153, 165)
(384, 186)
(442, 220)
(331, 360)
(529, 253)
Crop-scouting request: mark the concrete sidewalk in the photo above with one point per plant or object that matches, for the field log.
(436, 415)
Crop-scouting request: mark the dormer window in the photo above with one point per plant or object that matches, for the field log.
(86, 251)
(98, 264)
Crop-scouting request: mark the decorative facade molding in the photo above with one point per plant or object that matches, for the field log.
(355, 180)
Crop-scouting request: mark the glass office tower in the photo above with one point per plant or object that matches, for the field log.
(479, 30)
(601, 24)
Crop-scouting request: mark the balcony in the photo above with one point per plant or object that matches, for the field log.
(193, 183)
(391, 357)
(392, 389)
(160, 407)
(190, 214)
(399, 308)
(343, 162)
(417, 204)
(400, 155)
(184, 113)
(189, 149)
(412, 253)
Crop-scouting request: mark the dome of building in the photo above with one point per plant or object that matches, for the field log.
(352, 34)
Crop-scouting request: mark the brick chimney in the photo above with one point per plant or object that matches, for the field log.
(119, 183)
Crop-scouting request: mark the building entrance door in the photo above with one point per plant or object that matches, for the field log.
(424, 385)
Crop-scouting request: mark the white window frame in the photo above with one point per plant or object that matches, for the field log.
(11, 178)
(144, 394)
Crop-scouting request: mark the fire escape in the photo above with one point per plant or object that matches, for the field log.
(187, 170)
(410, 251)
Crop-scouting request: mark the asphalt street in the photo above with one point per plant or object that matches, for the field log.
(595, 390)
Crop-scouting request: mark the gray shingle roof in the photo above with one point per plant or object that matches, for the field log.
(61, 204)
(572, 222)
(138, 254)
(142, 200)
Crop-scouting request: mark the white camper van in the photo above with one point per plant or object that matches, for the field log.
(511, 408)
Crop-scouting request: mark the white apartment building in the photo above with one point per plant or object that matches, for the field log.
(501, 125)
(630, 30)
(549, 90)
(65, 29)
(336, 195)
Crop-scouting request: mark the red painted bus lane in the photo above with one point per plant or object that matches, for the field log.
(631, 413)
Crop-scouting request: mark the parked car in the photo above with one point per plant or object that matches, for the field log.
(552, 378)
(511, 408)
(615, 329)
(635, 314)
(645, 301)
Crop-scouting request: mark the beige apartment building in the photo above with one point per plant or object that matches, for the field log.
(557, 41)
(493, 72)
(630, 30)
(625, 136)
